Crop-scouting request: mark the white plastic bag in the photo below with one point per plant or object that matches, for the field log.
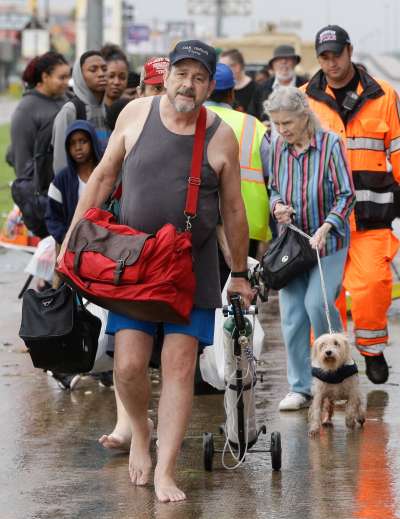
(212, 359)
(43, 261)
(103, 361)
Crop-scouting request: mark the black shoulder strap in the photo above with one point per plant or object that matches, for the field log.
(80, 107)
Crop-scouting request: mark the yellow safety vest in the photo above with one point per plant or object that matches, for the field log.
(249, 132)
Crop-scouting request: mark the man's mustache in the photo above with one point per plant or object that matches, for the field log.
(188, 92)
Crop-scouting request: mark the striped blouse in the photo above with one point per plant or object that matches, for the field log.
(317, 183)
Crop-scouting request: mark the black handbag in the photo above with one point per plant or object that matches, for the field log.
(289, 255)
(59, 332)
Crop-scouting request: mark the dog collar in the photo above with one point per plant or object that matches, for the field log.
(335, 377)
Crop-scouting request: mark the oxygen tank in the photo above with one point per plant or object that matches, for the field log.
(240, 379)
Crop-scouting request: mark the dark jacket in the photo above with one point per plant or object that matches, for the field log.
(63, 191)
(34, 113)
(262, 93)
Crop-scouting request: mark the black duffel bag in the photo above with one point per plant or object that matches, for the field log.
(60, 334)
(289, 255)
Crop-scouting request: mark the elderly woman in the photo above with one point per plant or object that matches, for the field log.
(311, 185)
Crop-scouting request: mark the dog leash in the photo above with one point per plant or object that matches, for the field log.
(321, 275)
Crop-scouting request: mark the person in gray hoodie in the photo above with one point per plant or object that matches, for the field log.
(46, 77)
(89, 75)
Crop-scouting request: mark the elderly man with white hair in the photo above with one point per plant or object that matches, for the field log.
(283, 64)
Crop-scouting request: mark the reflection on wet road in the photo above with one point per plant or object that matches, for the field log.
(53, 468)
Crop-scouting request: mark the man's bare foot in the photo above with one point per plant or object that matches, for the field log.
(115, 441)
(139, 457)
(166, 489)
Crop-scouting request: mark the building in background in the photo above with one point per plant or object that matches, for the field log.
(70, 26)
(257, 48)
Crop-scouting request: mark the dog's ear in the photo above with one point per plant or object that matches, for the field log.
(344, 342)
(316, 347)
(343, 336)
(321, 341)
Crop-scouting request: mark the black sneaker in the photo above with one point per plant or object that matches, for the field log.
(106, 379)
(376, 368)
(65, 381)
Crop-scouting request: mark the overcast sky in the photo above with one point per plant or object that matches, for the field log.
(373, 24)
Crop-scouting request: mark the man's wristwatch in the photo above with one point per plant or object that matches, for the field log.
(242, 274)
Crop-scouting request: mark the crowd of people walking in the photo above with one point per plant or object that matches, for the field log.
(322, 153)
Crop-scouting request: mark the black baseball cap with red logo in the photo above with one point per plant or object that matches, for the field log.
(331, 38)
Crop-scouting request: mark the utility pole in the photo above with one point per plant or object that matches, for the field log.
(94, 20)
(219, 9)
(47, 11)
(33, 7)
(128, 19)
(219, 13)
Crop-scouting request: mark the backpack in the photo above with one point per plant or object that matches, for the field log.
(80, 108)
(29, 191)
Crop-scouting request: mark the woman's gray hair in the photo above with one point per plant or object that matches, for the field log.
(291, 99)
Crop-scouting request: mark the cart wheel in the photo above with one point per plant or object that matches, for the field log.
(208, 451)
(276, 451)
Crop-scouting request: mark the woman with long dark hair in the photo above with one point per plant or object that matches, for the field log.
(46, 78)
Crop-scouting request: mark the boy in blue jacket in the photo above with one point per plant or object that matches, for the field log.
(83, 155)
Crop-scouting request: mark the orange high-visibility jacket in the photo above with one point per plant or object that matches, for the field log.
(371, 135)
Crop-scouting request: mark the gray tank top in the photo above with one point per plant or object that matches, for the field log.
(155, 178)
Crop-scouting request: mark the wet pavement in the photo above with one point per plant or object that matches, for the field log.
(53, 468)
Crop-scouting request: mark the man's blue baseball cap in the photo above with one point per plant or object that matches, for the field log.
(224, 77)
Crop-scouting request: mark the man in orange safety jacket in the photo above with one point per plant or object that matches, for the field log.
(365, 112)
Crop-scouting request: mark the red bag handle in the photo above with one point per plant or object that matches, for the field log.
(194, 181)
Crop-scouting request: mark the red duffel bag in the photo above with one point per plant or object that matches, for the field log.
(144, 276)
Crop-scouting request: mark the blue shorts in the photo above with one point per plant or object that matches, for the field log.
(201, 326)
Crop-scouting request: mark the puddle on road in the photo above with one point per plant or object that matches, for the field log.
(54, 468)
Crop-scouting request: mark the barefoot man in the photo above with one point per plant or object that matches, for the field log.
(152, 143)
(151, 83)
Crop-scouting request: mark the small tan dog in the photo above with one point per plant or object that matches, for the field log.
(334, 378)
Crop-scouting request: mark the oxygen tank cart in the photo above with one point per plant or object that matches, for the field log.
(240, 430)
